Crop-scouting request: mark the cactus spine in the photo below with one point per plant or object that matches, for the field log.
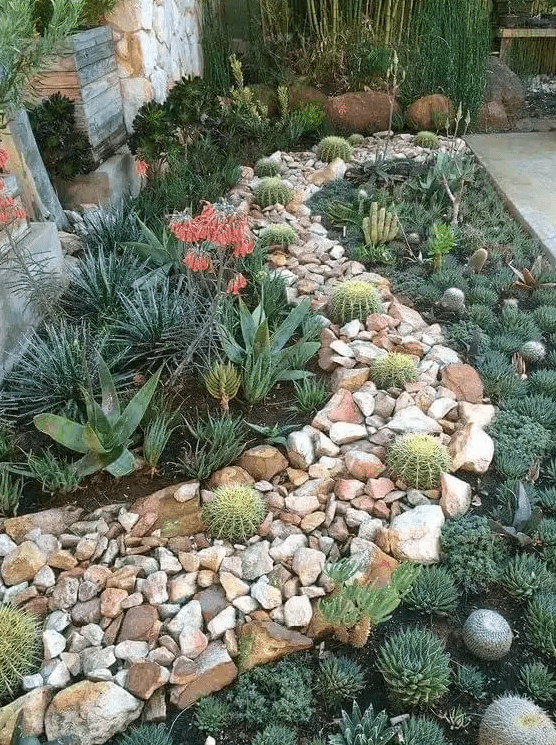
(331, 148)
(354, 300)
(419, 460)
(235, 512)
(19, 647)
(512, 720)
(487, 634)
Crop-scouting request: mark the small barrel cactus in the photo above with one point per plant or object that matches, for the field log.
(393, 370)
(477, 260)
(380, 226)
(512, 720)
(533, 351)
(331, 148)
(487, 634)
(356, 140)
(426, 139)
(353, 300)
(453, 300)
(235, 512)
(419, 460)
(222, 382)
(19, 648)
(272, 191)
(267, 167)
(277, 235)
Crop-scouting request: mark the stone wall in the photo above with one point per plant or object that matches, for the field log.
(157, 43)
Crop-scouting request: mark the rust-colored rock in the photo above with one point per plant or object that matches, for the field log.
(342, 408)
(263, 462)
(32, 706)
(464, 381)
(55, 521)
(144, 678)
(493, 116)
(140, 623)
(214, 669)
(361, 112)
(421, 113)
(22, 563)
(173, 518)
(265, 641)
(230, 475)
(379, 568)
(300, 95)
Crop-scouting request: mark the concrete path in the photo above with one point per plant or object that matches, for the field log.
(523, 167)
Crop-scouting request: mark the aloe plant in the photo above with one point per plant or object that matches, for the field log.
(104, 439)
(165, 252)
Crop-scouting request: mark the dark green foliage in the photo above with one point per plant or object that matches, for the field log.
(363, 729)
(543, 381)
(212, 715)
(544, 296)
(507, 343)
(53, 123)
(190, 101)
(471, 552)
(447, 277)
(481, 296)
(518, 440)
(336, 191)
(538, 407)
(147, 734)
(538, 682)
(421, 731)
(415, 667)
(275, 734)
(547, 531)
(56, 475)
(524, 574)
(106, 228)
(545, 318)
(219, 440)
(546, 499)
(277, 694)
(517, 322)
(499, 377)
(154, 133)
(541, 622)
(310, 393)
(267, 167)
(471, 681)
(339, 678)
(464, 334)
(483, 316)
(433, 591)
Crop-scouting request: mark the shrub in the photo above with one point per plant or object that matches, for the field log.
(471, 552)
(339, 678)
(393, 370)
(433, 591)
(277, 235)
(353, 300)
(267, 168)
(482, 296)
(356, 140)
(272, 191)
(275, 734)
(483, 315)
(273, 694)
(499, 378)
(487, 634)
(524, 574)
(471, 681)
(419, 460)
(538, 681)
(56, 475)
(363, 729)
(421, 731)
(426, 139)
(212, 715)
(541, 622)
(512, 720)
(147, 734)
(19, 648)
(331, 148)
(235, 512)
(519, 440)
(415, 667)
(11, 490)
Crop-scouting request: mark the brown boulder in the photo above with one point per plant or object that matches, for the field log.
(493, 116)
(421, 113)
(214, 669)
(504, 87)
(22, 563)
(266, 641)
(140, 623)
(144, 678)
(361, 112)
(174, 518)
(55, 521)
(263, 462)
(230, 475)
(301, 95)
(464, 381)
(32, 707)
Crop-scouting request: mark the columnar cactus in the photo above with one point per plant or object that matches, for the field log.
(487, 635)
(380, 226)
(331, 148)
(512, 720)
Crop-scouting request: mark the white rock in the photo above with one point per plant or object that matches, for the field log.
(440, 407)
(415, 535)
(58, 620)
(131, 650)
(342, 433)
(93, 633)
(211, 557)
(181, 587)
(225, 620)
(300, 449)
(455, 495)
(97, 658)
(58, 676)
(265, 594)
(30, 682)
(298, 611)
(283, 549)
(189, 617)
(412, 419)
(155, 588)
(233, 586)
(192, 643)
(246, 604)
(256, 561)
(53, 643)
(324, 445)
(167, 561)
(6, 544)
(369, 527)
(307, 563)
(480, 414)
(471, 449)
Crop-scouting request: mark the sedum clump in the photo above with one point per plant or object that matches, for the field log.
(512, 720)
(422, 731)
(524, 574)
(211, 715)
(332, 147)
(433, 591)
(365, 728)
(272, 191)
(538, 681)
(267, 168)
(393, 370)
(339, 678)
(487, 634)
(353, 300)
(19, 648)
(419, 460)
(426, 139)
(277, 235)
(235, 512)
(415, 667)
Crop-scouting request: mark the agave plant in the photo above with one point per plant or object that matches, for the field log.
(104, 439)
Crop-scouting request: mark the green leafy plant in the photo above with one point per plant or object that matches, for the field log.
(519, 440)
(441, 243)
(275, 734)
(380, 227)
(352, 300)
(524, 574)
(471, 681)
(512, 720)
(276, 434)
(105, 437)
(426, 139)
(156, 434)
(331, 148)
(147, 734)
(212, 715)
(419, 460)
(267, 168)
(538, 681)
(310, 393)
(421, 731)
(56, 475)
(222, 382)
(19, 648)
(10, 493)
(277, 235)
(272, 191)
(219, 441)
(7, 441)
(339, 678)
(393, 370)
(365, 728)
(544, 382)
(153, 138)
(415, 667)
(471, 552)
(166, 253)
(235, 512)
(541, 622)
(354, 609)
(106, 228)
(433, 591)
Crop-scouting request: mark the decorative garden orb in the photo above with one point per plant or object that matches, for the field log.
(487, 634)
